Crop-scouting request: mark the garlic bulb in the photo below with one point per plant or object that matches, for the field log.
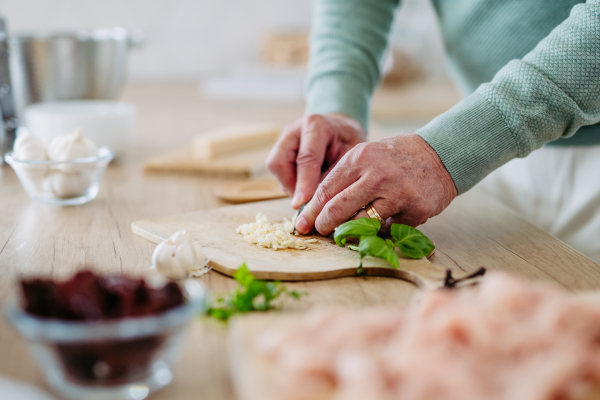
(66, 185)
(29, 147)
(71, 146)
(177, 257)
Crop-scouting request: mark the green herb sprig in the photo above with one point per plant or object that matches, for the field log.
(251, 295)
(410, 241)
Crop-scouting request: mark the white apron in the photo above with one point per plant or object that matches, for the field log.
(556, 188)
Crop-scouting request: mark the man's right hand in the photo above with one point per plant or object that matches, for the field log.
(309, 148)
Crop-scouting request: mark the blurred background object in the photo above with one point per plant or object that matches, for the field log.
(7, 103)
(190, 39)
(106, 123)
(234, 50)
(69, 65)
(186, 39)
(285, 49)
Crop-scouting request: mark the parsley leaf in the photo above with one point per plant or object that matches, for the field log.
(251, 295)
(356, 229)
(411, 241)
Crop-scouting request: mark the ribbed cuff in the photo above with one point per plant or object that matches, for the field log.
(471, 139)
(339, 92)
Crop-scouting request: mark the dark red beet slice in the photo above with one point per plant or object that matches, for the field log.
(89, 297)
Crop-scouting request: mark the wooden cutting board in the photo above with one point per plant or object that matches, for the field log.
(247, 191)
(216, 231)
(239, 165)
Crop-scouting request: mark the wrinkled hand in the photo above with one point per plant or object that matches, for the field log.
(403, 177)
(309, 149)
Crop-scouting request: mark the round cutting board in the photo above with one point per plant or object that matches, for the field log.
(250, 190)
(226, 250)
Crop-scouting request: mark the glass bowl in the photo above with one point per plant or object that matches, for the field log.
(63, 183)
(127, 358)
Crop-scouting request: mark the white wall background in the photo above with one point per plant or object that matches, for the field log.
(191, 38)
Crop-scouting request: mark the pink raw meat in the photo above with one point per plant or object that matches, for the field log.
(503, 340)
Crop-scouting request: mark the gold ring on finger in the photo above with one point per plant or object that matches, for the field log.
(372, 213)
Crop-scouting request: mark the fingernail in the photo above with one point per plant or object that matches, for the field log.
(297, 200)
(301, 225)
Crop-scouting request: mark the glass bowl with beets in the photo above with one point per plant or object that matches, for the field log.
(106, 337)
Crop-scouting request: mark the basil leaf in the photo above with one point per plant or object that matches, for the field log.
(411, 241)
(356, 229)
(377, 247)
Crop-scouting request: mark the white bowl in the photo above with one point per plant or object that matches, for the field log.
(106, 123)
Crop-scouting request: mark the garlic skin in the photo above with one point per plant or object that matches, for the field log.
(67, 185)
(177, 257)
(29, 147)
(69, 147)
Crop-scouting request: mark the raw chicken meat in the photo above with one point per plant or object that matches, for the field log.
(505, 339)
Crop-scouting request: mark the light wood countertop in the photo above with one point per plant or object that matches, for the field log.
(41, 239)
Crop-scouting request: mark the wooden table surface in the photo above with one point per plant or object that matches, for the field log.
(41, 239)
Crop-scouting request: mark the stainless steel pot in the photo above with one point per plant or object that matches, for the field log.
(86, 64)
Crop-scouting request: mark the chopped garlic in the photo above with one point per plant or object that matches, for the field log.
(276, 236)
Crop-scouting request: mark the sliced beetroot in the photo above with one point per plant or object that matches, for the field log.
(41, 297)
(88, 297)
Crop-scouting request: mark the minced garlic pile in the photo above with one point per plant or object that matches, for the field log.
(278, 236)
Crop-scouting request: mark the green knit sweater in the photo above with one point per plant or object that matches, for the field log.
(532, 68)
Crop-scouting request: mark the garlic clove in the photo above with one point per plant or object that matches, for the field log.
(67, 185)
(181, 237)
(29, 147)
(177, 257)
(71, 146)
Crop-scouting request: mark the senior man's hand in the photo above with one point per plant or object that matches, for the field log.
(308, 149)
(402, 176)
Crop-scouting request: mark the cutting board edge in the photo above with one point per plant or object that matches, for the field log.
(136, 230)
(293, 276)
(199, 172)
(182, 161)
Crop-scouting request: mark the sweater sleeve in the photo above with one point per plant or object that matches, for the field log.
(548, 94)
(348, 41)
